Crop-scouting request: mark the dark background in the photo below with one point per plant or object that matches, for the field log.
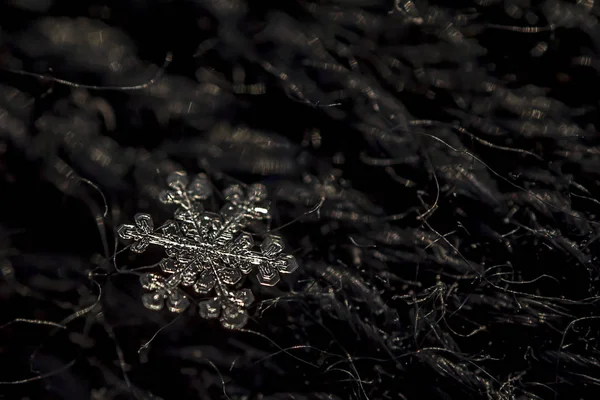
(380, 308)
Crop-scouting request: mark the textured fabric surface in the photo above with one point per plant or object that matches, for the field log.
(433, 166)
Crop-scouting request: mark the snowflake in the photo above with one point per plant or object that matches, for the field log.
(207, 251)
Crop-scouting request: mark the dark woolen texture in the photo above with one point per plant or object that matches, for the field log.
(435, 169)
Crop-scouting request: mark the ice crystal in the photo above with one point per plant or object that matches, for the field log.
(208, 251)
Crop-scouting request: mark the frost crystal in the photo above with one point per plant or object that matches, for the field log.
(208, 252)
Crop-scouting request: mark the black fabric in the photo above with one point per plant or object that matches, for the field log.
(434, 167)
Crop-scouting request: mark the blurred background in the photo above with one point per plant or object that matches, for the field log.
(434, 167)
